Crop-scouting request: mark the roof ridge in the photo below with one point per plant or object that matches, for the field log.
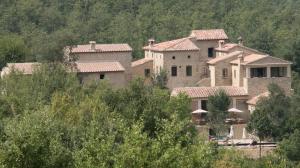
(207, 29)
(279, 59)
(264, 56)
(179, 41)
(262, 53)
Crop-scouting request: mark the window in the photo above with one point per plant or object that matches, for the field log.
(204, 104)
(174, 71)
(278, 71)
(210, 52)
(188, 56)
(102, 76)
(173, 57)
(258, 72)
(189, 70)
(225, 73)
(147, 72)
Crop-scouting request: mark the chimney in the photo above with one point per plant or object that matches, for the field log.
(240, 40)
(93, 45)
(241, 58)
(221, 43)
(151, 42)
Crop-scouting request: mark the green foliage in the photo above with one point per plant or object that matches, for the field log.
(161, 79)
(218, 111)
(48, 120)
(290, 147)
(21, 92)
(271, 115)
(12, 49)
(47, 27)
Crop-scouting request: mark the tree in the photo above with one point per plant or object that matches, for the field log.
(161, 79)
(290, 147)
(270, 116)
(275, 109)
(12, 49)
(218, 110)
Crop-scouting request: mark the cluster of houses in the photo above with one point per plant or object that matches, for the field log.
(198, 65)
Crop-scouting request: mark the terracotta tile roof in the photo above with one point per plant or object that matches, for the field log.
(183, 44)
(249, 58)
(229, 46)
(140, 61)
(210, 34)
(222, 58)
(204, 92)
(266, 59)
(99, 67)
(99, 48)
(255, 99)
(25, 68)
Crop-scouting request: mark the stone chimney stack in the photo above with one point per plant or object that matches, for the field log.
(93, 45)
(240, 69)
(240, 41)
(151, 42)
(221, 43)
(241, 58)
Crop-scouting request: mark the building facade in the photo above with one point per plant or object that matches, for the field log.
(92, 63)
(185, 59)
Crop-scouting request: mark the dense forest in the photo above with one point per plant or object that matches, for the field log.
(49, 119)
(39, 29)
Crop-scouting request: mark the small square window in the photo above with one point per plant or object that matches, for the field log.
(189, 56)
(102, 76)
(173, 57)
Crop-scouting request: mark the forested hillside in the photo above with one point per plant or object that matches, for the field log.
(48, 120)
(39, 29)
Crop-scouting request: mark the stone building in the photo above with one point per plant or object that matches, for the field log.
(143, 68)
(203, 63)
(185, 59)
(93, 63)
(96, 53)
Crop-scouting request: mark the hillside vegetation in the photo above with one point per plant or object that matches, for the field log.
(41, 28)
(49, 120)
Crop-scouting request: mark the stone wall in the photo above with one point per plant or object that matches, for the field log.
(204, 45)
(182, 61)
(204, 82)
(256, 86)
(238, 73)
(124, 58)
(139, 71)
(115, 79)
